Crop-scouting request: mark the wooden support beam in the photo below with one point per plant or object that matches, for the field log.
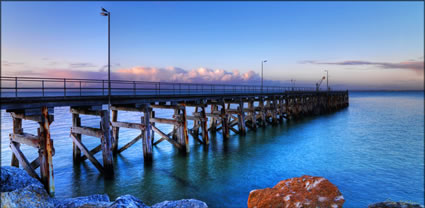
(182, 134)
(23, 161)
(213, 122)
(147, 141)
(152, 124)
(165, 121)
(194, 118)
(76, 152)
(17, 129)
(241, 119)
(84, 111)
(234, 130)
(165, 137)
(224, 122)
(95, 150)
(89, 131)
(35, 163)
(87, 153)
(214, 115)
(274, 111)
(128, 125)
(106, 142)
(233, 111)
(128, 108)
(252, 114)
(46, 153)
(159, 141)
(25, 138)
(166, 106)
(115, 131)
(204, 126)
(36, 118)
(130, 143)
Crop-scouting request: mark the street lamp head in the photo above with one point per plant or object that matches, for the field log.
(104, 14)
(104, 10)
(265, 61)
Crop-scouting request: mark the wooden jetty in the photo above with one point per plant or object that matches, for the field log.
(218, 108)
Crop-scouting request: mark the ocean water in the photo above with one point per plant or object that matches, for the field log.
(372, 151)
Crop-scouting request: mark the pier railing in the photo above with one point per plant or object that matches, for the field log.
(57, 87)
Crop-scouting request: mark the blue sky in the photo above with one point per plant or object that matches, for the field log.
(364, 45)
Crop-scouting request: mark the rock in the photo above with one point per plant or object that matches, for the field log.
(93, 201)
(13, 178)
(184, 203)
(128, 201)
(305, 191)
(18, 189)
(30, 196)
(389, 204)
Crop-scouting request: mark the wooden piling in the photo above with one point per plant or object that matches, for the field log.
(204, 125)
(147, 140)
(241, 119)
(274, 110)
(76, 152)
(17, 129)
(46, 153)
(213, 122)
(224, 121)
(252, 114)
(106, 142)
(115, 132)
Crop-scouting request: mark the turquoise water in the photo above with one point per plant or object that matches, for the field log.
(373, 151)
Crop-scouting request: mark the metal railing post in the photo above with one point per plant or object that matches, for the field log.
(64, 87)
(16, 86)
(134, 87)
(42, 86)
(103, 87)
(80, 88)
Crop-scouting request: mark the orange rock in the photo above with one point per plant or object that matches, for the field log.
(305, 191)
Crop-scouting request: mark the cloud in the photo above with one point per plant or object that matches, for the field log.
(169, 74)
(175, 74)
(417, 66)
(10, 64)
(81, 65)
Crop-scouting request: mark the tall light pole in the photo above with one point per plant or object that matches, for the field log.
(327, 79)
(262, 62)
(107, 13)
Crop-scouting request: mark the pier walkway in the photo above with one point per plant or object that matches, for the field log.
(218, 109)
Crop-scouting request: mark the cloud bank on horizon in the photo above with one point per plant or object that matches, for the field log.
(414, 65)
(83, 70)
(154, 74)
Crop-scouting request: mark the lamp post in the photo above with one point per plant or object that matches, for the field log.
(327, 79)
(107, 13)
(262, 62)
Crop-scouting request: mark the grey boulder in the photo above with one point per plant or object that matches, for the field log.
(30, 196)
(93, 201)
(18, 189)
(13, 178)
(184, 203)
(128, 201)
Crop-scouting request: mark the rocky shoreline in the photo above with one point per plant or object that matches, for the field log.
(18, 189)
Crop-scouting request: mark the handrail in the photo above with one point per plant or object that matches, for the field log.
(65, 87)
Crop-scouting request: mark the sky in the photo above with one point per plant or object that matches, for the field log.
(363, 45)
